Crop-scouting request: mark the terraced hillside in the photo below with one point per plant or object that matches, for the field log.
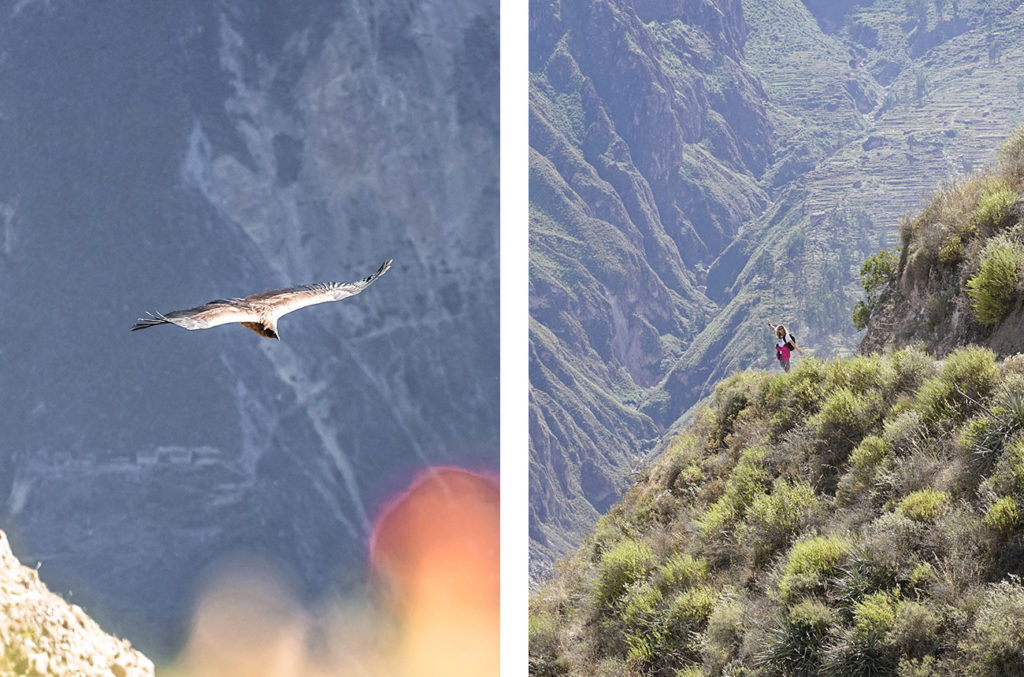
(860, 110)
(853, 516)
(798, 261)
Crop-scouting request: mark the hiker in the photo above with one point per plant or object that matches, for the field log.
(784, 345)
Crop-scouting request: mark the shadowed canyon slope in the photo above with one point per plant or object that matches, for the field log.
(698, 167)
(156, 157)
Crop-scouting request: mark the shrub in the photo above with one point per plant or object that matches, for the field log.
(868, 453)
(640, 602)
(993, 288)
(995, 644)
(795, 647)
(810, 564)
(730, 398)
(915, 631)
(795, 395)
(967, 377)
(920, 667)
(1011, 157)
(544, 660)
(692, 607)
(873, 617)
(679, 570)
(717, 518)
(844, 419)
(924, 505)
(748, 479)
(772, 519)
(912, 367)
(995, 206)
(875, 275)
(725, 630)
(1014, 460)
(860, 374)
(1002, 516)
(620, 566)
(905, 433)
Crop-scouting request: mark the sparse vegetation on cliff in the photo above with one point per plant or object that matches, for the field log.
(856, 516)
(958, 278)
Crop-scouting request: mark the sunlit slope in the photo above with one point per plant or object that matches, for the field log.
(857, 516)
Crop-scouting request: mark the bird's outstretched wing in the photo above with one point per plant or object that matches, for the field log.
(282, 301)
(209, 315)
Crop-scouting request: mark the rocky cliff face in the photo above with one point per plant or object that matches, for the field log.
(957, 280)
(41, 635)
(794, 136)
(156, 158)
(636, 110)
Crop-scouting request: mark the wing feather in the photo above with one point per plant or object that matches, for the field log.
(202, 317)
(282, 301)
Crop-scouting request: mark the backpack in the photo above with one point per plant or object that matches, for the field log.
(791, 341)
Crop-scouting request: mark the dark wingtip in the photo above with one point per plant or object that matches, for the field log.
(147, 322)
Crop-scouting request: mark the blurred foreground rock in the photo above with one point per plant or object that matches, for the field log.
(41, 634)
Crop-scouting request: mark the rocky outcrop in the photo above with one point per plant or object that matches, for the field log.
(41, 635)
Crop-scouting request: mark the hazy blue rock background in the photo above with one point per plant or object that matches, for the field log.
(154, 156)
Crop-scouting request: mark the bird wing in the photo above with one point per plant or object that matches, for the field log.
(281, 301)
(212, 314)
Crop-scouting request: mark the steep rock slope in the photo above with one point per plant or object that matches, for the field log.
(853, 516)
(960, 269)
(869, 106)
(41, 635)
(647, 135)
(942, 113)
(158, 157)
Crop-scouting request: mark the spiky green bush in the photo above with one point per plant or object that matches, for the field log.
(915, 631)
(794, 647)
(924, 505)
(912, 366)
(868, 453)
(810, 564)
(731, 397)
(772, 519)
(862, 649)
(793, 396)
(1003, 516)
(874, 616)
(544, 660)
(967, 378)
(995, 204)
(679, 570)
(845, 418)
(748, 479)
(725, 630)
(623, 564)
(993, 289)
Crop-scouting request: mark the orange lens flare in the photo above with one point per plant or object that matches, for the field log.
(436, 550)
(434, 556)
